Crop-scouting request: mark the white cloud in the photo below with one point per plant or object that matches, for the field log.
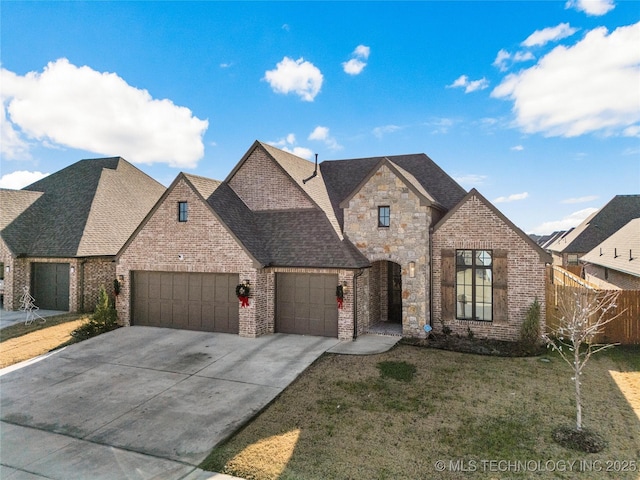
(504, 59)
(79, 107)
(12, 146)
(469, 85)
(381, 131)
(512, 198)
(440, 125)
(550, 34)
(471, 179)
(298, 76)
(517, 148)
(20, 179)
(358, 60)
(322, 134)
(572, 220)
(288, 144)
(591, 7)
(550, 97)
(588, 198)
(354, 66)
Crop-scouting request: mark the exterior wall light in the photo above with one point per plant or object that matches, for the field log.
(7, 269)
(73, 269)
(412, 269)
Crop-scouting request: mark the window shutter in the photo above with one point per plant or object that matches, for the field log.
(500, 303)
(448, 284)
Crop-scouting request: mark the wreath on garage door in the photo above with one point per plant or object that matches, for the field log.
(242, 292)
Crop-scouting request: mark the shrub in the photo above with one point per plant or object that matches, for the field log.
(104, 319)
(530, 329)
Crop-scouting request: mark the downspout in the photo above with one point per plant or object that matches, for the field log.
(355, 302)
(431, 277)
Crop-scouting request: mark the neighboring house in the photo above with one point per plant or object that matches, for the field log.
(615, 263)
(60, 235)
(568, 249)
(384, 231)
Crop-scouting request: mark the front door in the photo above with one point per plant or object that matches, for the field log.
(395, 292)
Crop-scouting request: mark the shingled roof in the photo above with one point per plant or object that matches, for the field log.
(291, 238)
(342, 177)
(87, 209)
(621, 251)
(599, 226)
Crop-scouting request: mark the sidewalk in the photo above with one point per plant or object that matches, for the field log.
(8, 318)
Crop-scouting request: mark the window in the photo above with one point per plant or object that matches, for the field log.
(384, 216)
(572, 259)
(183, 211)
(474, 285)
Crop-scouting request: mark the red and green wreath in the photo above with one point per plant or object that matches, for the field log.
(242, 292)
(340, 295)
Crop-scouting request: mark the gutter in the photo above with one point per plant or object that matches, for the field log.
(355, 302)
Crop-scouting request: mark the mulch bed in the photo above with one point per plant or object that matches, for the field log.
(479, 346)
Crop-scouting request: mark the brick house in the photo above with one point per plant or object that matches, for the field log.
(570, 247)
(60, 235)
(615, 263)
(382, 233)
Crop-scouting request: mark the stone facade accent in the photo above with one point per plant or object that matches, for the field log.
(473, 225)
(405, 240)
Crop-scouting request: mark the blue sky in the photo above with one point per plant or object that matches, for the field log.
(535, 104)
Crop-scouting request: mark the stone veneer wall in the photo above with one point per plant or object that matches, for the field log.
(475, 226)
(405, 240)
(205, 246)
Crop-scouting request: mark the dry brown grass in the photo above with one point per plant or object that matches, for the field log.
(40, 340)
(341, 419)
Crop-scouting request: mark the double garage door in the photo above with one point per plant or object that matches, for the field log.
(306, 304)
(192, 301)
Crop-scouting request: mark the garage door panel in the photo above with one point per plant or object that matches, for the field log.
(195, 301)
(306, 304)
(50, 285)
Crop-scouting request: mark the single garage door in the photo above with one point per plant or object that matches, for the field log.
(306, 304)
(191, 301)
(50, 285)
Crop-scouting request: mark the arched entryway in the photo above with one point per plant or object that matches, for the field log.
(385, 305)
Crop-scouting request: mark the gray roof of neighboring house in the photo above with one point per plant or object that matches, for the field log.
(621, 251)
(89, 208)
(344, 176)
(599, 226)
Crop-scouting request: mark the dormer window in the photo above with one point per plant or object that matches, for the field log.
(384, 216)
(183, 211)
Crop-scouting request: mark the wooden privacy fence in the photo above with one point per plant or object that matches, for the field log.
(624, 330)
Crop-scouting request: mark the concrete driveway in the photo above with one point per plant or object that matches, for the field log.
(141, 402)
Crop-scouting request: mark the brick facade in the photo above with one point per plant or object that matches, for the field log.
(86, 276)
(262, 185)
(474, 225)
(607, 278)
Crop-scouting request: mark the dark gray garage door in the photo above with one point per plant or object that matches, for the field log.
(306, 304)
(50, 285)
(192, 301)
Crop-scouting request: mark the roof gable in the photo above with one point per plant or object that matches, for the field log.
(407, 178)
(599, 225)
(473, 193)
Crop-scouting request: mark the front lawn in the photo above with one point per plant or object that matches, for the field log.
(417, 412)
